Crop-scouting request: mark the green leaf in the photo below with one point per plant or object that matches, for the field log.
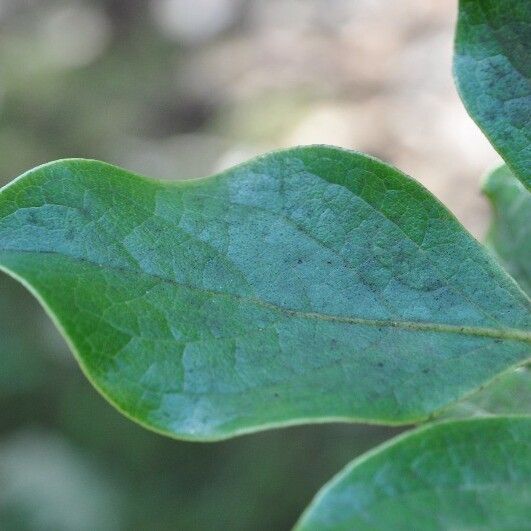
(507, 394)
(510, 232)
(467, 474)
(492, 67)
(313, 284)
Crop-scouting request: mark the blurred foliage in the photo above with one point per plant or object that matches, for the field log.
(508, 394)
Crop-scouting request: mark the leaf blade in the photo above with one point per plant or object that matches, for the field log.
(454, 474)
(309, 285)
(508, 394)
(510, 231)
(493, 75)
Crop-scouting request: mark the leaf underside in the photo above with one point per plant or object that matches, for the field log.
(312, 284)
(469, 474)
(510, 231)
(492, 66)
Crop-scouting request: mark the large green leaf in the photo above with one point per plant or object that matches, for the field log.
(510, 232)
(313, 284)
(467, 474)
(493, 69)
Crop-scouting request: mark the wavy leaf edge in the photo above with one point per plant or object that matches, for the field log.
(516, 334)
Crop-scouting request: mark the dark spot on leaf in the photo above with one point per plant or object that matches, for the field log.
(69, 234)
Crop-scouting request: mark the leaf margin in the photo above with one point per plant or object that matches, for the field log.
(374, 452)
(526, 336)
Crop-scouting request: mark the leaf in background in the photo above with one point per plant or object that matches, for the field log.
(313, 284)
(492, 68)
(508, 394)
(510, 232)
(466, 474)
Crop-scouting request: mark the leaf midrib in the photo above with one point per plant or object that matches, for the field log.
(514, 334)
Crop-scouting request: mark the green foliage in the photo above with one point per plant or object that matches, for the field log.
(510, 232)
(493, 69)
(309, 284)
(466, 474)
(508, 394)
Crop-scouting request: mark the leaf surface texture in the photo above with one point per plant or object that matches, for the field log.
(312, 284)
(468, 474)
(492, 66)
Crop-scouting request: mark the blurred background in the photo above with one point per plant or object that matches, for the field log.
(179, 89)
